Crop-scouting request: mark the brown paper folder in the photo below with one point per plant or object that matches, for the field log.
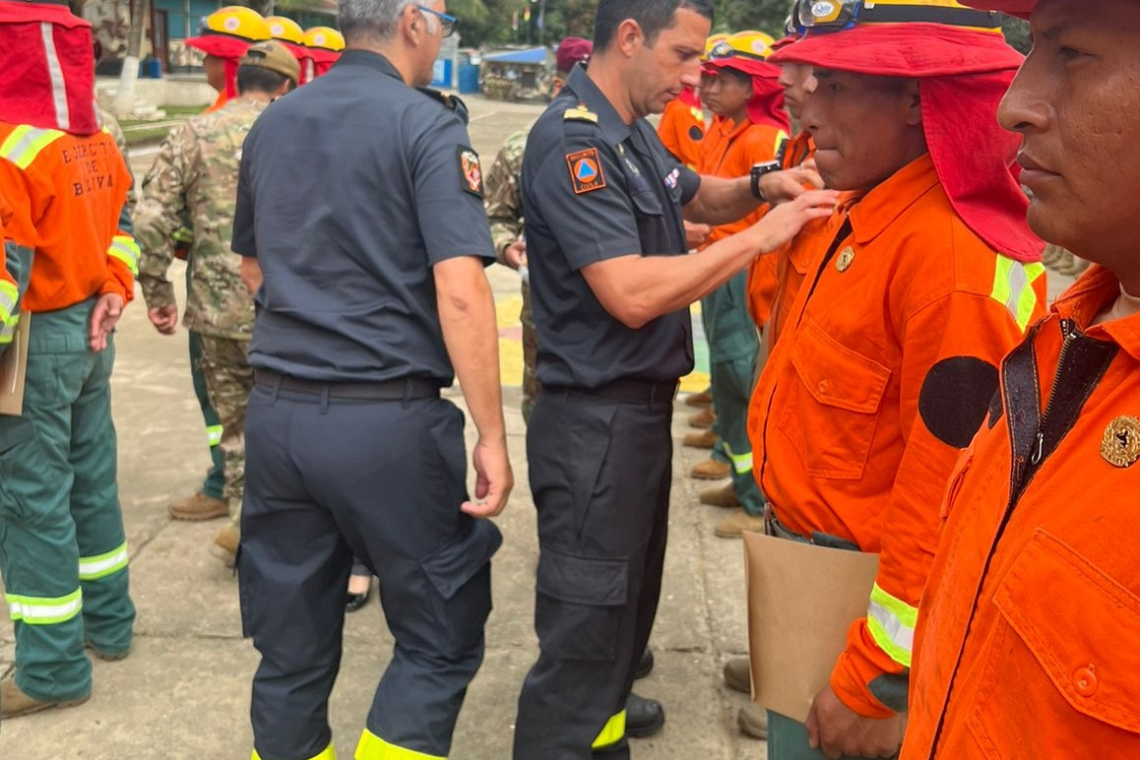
(13, 368)
(802, 599)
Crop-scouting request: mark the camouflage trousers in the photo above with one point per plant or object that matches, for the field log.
(531, 386)
(229, 380)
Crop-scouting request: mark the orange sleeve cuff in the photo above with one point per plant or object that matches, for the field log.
(861, 663)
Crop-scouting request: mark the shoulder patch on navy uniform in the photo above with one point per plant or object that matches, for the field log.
(585, 170)
(580, 113)
(450, 102)
(471, 170)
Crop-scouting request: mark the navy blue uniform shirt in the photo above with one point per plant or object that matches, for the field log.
(595, 188)
(351, 189)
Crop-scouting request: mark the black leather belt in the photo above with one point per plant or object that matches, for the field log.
(626, 389)
(391, 390)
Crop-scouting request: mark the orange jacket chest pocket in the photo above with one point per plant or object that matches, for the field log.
(1062, 667)
(840, 396)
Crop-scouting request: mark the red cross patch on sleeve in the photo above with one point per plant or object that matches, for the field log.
(585, 171)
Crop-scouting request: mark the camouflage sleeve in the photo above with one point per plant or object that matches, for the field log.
(116, 131)
(503, 201)
(159, 215)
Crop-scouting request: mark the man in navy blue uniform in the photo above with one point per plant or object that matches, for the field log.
(360, 215)
(611, 286)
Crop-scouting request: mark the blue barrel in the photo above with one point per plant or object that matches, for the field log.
(468, 79)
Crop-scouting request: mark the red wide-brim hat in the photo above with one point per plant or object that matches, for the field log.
(963, 74)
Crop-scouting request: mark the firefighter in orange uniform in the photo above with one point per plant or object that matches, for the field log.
(290, 34)
(324, 46)
(63, 550)
(927, 275)
(682, 124)
(1028, 640)
(224, 37)
(748, 127)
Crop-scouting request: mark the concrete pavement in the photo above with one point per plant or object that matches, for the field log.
(184, 692)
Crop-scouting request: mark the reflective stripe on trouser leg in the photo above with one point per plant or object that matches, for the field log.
(732, 388)
(612, 733)
(372, 747)
(214, 484)
(39, 559)
(329, 753)
(92, 452)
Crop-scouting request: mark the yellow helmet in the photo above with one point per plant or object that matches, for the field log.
(710, 43)
(842, 14)
(285, 30)
(236, 21)
(324, 38)
(751, 43)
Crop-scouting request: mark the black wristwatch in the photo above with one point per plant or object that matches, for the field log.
(758, 171)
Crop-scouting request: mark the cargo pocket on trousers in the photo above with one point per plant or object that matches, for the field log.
(460, 572)
(1066, 655)
(17, 437)
(579, 607)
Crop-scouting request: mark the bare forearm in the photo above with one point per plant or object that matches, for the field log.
(670, 283)
(467, 317)
(722, 201)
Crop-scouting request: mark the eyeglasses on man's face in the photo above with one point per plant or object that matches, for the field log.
(446, 20)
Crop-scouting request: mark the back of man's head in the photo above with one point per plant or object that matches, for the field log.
(652, 16)
(369, 21)
(266, 67)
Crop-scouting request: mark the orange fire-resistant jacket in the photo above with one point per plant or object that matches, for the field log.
(884, 372)
(682, 130)
(770, 300)
(68, 194)
(729, 151)
(1028, 640)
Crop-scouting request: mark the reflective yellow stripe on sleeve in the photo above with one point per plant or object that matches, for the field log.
(38, 610)
(8, 297)
(125, 249)
(612, 733)
(8, 329)
(102, 565)
(328, 754)
(25, 143)
(1013, 288)
(891, 622)
(372, 747)
(214, 435)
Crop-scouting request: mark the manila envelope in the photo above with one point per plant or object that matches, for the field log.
(13, 368)
(802, 599)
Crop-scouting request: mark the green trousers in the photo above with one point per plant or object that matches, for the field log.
(214, 484)
(63, 550)
(788, 740)
(731, 392)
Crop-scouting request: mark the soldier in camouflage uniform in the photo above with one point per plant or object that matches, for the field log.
(195, 175)
(504, 212)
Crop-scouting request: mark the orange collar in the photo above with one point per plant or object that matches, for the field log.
(1087, 298)
(874, 211)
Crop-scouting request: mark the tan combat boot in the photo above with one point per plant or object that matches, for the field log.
(15, 703)
(721, 496)
(703, 419)
(704, 439)
(199, 507)
(738, 675)
(739, 521)
(226, 545)
(704, 398)
(753, 721)
(710, 469)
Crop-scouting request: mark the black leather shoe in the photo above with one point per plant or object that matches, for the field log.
(643, 717)
(644, 665)
(353, 602)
